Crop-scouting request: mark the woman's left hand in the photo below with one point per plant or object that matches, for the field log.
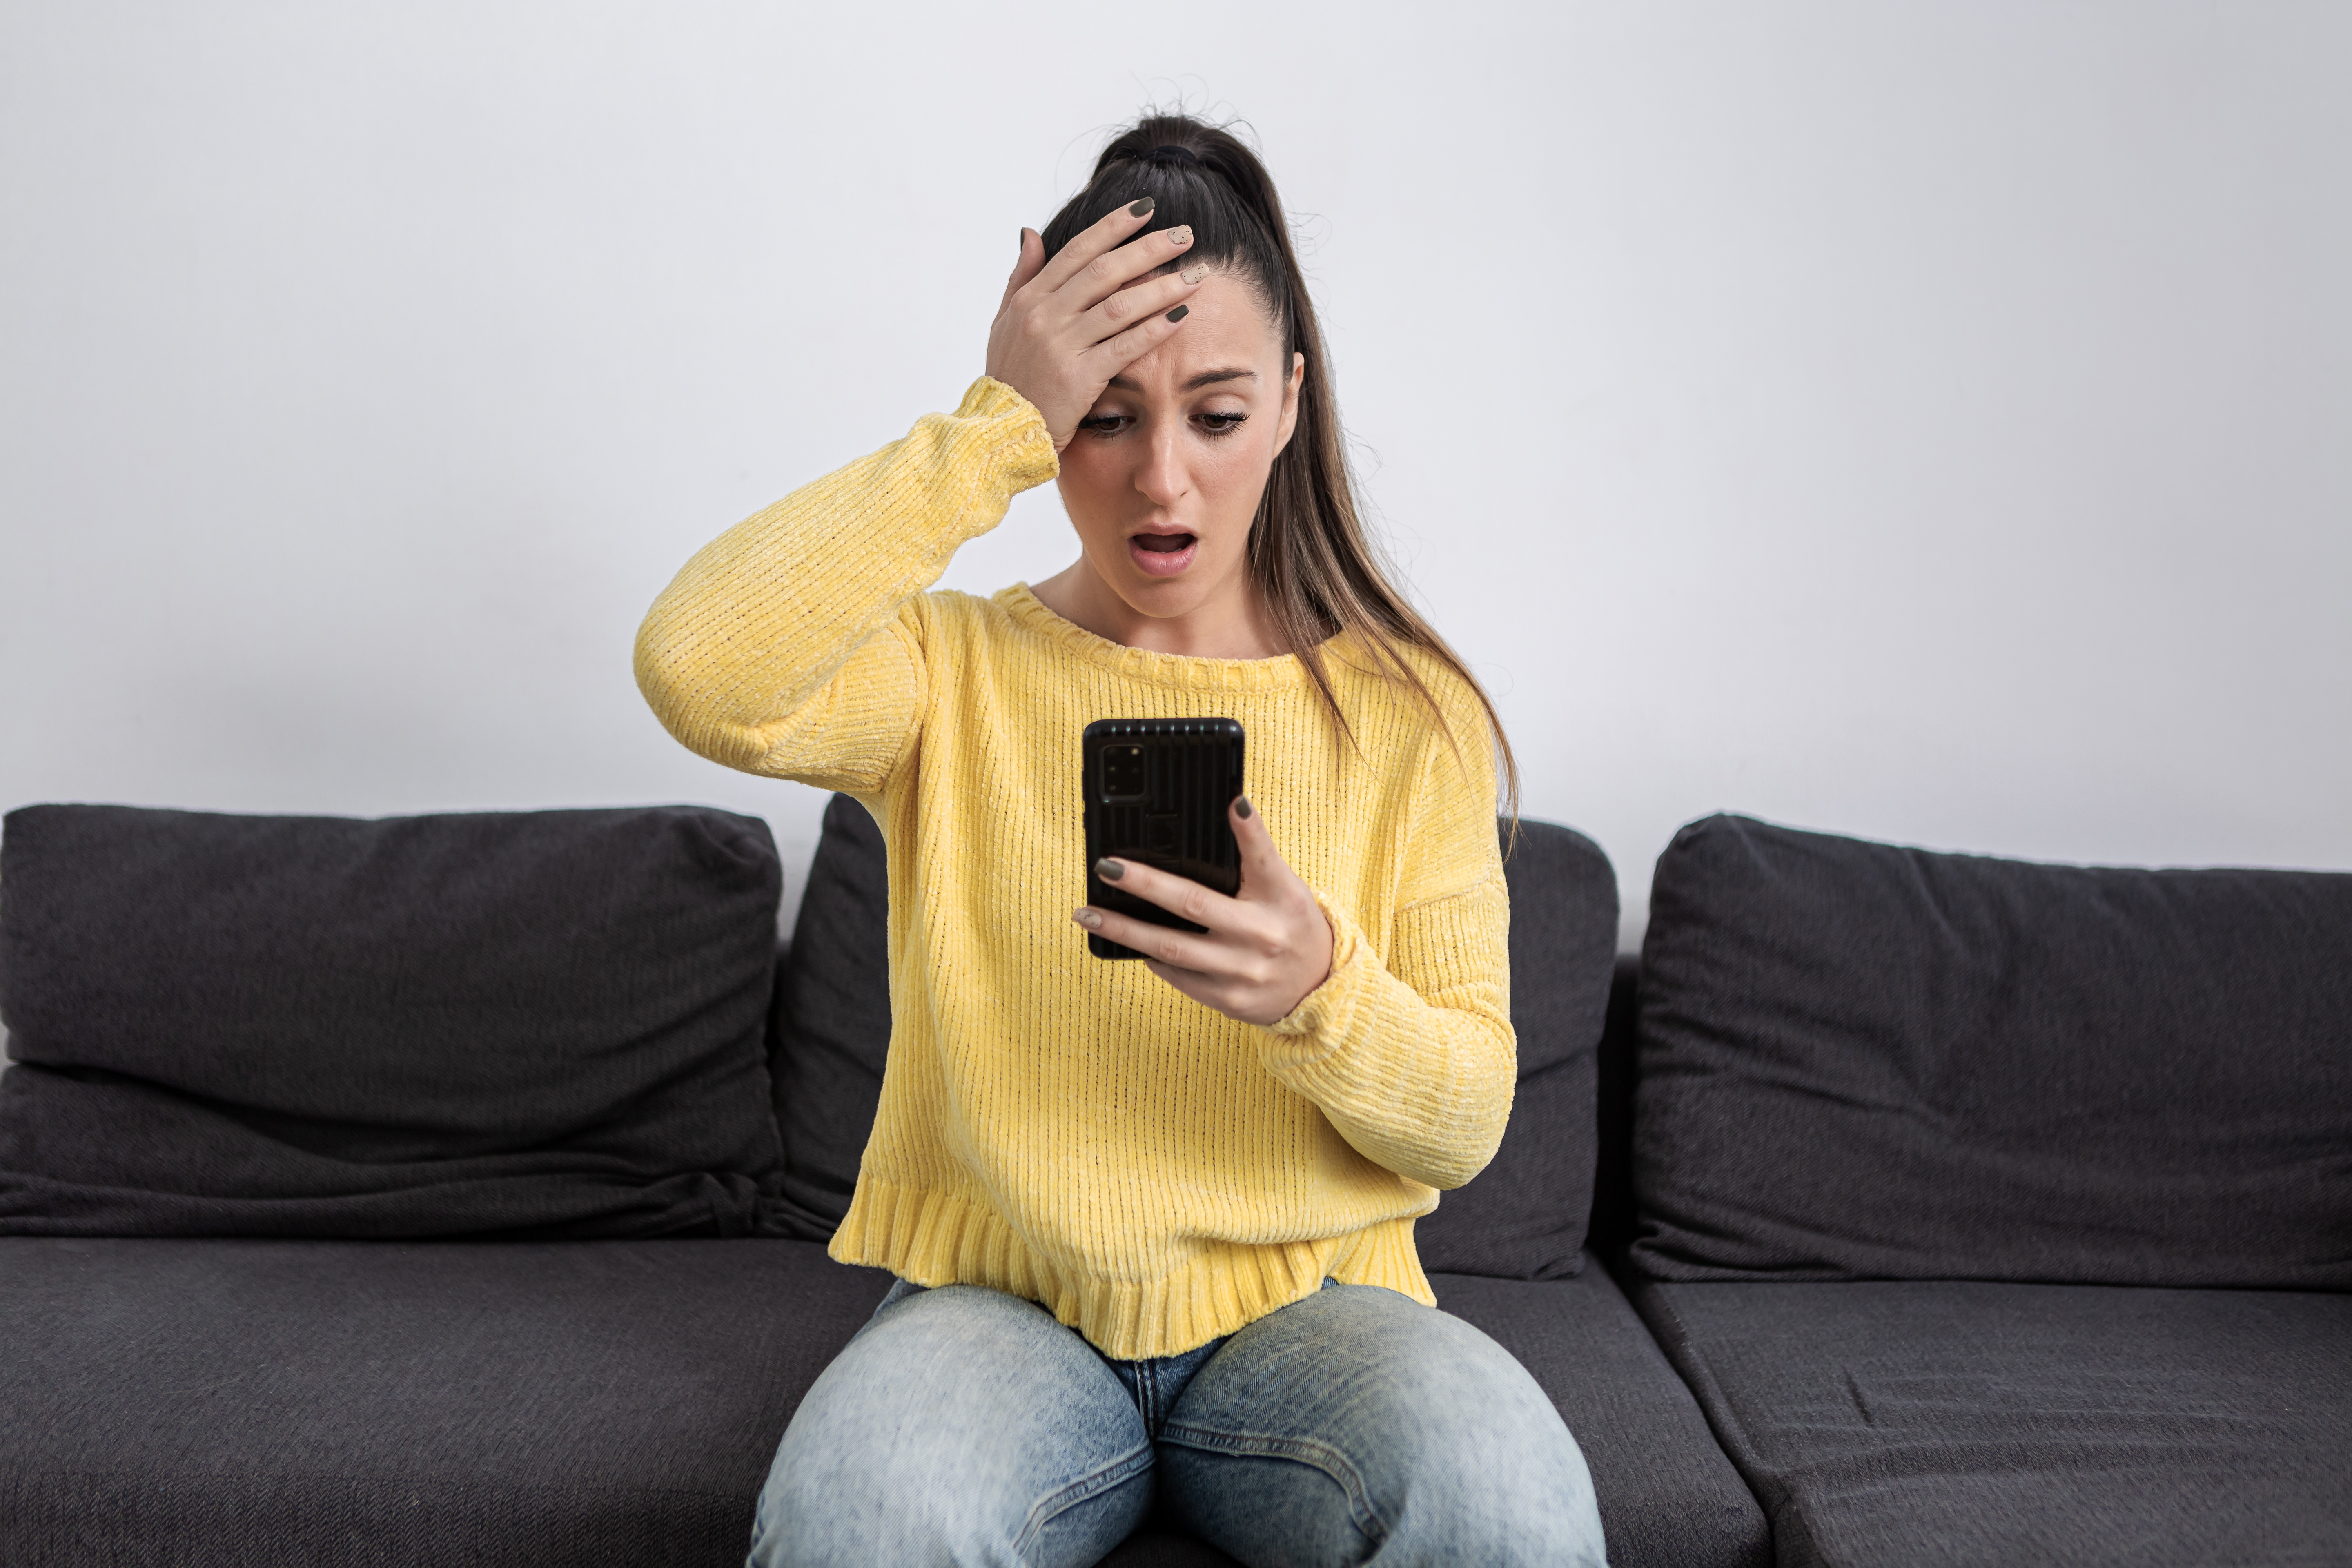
(1264, 948)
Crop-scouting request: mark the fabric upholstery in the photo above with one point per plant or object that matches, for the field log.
(833, 1019)
(1522, 1218)
(1669, 1499)
(218, 1404)
(544, 1022)
(1858, 1060)
(1924, 1423)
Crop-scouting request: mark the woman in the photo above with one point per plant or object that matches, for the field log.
(1153, 1223)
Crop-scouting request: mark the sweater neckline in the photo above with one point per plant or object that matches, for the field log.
(1282, 670)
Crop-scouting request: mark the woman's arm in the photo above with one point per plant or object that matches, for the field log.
(781, 648)
(769, 652)
(1415, 1061)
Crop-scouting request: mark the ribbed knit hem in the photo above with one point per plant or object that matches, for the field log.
(938, 1238)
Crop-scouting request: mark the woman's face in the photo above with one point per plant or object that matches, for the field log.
(1164, 474)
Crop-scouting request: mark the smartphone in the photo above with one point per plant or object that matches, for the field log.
(1157, 792)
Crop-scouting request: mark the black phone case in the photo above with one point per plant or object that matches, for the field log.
(1156, 791)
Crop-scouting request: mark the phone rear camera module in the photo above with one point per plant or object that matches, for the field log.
(1122, 774)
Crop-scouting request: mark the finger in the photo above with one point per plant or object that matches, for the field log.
(1114, 269)
(1114, 354)
(1203, 906)
(1107, 233)
(1140, 302)
(1205, 989)
(1027, 264)
(1165, 943)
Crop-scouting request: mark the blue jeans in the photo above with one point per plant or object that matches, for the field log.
(964, 1425)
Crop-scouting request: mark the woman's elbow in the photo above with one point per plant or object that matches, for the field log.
(1448, 1168)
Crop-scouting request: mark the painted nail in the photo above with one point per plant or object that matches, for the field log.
(1088, 918)
(1180, 236)
(1108, 869)
(1242, 807)
(1179, 312)
(1138, 207)
(1024, 239)
(1192, 274)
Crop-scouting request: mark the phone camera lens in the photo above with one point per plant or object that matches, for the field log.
(1122, 772)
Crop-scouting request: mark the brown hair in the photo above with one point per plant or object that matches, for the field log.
(1316, 569)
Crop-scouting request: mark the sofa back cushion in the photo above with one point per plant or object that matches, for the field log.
(1523, 1217)
(545, 1023)
(1857, 1060)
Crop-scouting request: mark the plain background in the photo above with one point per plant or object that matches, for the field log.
(1929, 421)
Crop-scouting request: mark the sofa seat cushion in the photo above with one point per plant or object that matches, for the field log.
(1927, 1423)
(1669, 1497)
(240, 1401)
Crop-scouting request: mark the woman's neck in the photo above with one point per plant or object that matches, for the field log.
(1229, 624)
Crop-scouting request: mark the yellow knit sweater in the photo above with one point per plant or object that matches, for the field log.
(1071, 1130)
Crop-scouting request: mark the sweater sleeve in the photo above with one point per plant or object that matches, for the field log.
(1415, 1061)
(788, 646)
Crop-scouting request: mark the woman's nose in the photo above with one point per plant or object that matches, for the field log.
(1162, 479)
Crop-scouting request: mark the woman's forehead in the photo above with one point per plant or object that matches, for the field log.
(1226, 326)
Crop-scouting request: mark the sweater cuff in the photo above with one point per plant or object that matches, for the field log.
(1026, 448)
(1324, 1016)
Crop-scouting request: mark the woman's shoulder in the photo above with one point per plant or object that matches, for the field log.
(1381, 690)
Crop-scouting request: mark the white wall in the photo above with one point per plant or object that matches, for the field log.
(1929, 421)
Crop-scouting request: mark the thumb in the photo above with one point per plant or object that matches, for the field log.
(1262, 867)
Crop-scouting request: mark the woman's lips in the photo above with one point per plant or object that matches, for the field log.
(1161, 555)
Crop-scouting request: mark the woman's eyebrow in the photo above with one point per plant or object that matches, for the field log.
(1206, 378)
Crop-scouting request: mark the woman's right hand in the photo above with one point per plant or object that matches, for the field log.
(1066, 327)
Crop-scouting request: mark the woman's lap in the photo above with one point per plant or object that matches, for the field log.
(962, 1424)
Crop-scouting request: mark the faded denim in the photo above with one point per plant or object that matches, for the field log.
(963, 1426)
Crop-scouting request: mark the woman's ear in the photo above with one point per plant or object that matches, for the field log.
(1290, 402)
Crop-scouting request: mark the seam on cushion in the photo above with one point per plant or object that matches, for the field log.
(34, 1479)
(1297, 1450)
(1060, 1501)
(1691, 1365)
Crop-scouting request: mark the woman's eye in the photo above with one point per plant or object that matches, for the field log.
(1103, 424)
(1220, 424)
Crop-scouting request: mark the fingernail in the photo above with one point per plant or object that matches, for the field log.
(1024, 239)
(1179, 312)
(1140, 207)
(1108, 869)
(1180, 235)
(1242, 807)
(1192, 274)
(1088, 918)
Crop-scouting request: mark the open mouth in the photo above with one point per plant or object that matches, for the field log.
(1161, 555)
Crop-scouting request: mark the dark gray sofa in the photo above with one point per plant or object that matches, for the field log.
(414, 1192)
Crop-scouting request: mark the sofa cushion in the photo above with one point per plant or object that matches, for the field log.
(230, 1403)
(1925, 1423)
(542, 1023)
(1523, 1217)
(831, 1028)
(1669, 1497)
(1857, 1060)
